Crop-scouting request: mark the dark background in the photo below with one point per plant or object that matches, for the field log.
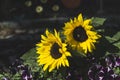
(18, 10)
(21, 25)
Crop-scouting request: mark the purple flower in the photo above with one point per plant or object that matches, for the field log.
(104, 71)
(15, 66)
(93, 72)
(68, 76)
(117, 77)
(110, 61)
(117, 63)
(106, 74)
(26, 75)
(25, 71)
(4, 78)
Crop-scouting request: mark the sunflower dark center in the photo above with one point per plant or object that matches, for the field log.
(79, 34)
(55, 51)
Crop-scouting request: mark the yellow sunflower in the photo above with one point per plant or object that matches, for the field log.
(52, 52)
(80, 34)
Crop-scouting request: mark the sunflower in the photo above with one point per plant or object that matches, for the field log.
(80, 35)
(52, 52)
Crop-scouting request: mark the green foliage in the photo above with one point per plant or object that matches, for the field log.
(115, 41)
(96, 21)
(30, 59)
(117, 70)
(10, 76)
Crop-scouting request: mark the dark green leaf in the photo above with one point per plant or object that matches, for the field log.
(96, 21)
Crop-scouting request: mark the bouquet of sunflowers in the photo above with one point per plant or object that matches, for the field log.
(81, 50)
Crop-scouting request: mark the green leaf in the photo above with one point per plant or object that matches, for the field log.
(116, 36)
(96, 21)
(30, 54)
(30, 59)
(115, 40)
(117, 70)
(17, 76)
(1, 76)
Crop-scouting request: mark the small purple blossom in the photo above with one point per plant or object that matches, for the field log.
(93, 71)
(68, 76)
(106, 73)
(15, 66)
(25, 73)
(18, 66)
(112, 61)
(4, 78)
(117, 63)
(117, 77)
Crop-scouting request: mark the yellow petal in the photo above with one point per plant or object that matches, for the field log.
(63, 63)
(59, 63)
(53, 66)
(66, 62)
(71, 21)
(68, 53)
(43, 37)
(48, 64)
(86, 22)
(80, 18)
(45, 67)
(89, 46)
